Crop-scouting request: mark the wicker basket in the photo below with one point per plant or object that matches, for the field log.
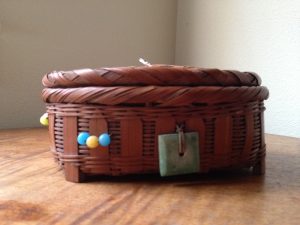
(137, 104)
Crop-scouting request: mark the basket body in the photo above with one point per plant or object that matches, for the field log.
(230, 136)
(231, 133)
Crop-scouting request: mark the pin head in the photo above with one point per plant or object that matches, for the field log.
(104, 139)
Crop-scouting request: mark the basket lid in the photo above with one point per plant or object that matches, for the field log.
(157, 75)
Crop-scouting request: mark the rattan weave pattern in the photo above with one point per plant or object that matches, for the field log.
(162, 96)
(147, 162)
(156, 75)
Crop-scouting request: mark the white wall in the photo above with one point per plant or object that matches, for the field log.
(40, 36)
(248, 35)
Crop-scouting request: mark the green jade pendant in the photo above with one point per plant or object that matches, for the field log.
(174, 162)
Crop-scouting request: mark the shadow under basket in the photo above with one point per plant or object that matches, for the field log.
(226, 112)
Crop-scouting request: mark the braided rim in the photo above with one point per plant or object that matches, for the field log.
(158, 95)
(158, 75)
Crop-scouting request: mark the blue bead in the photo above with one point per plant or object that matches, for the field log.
(81, 139)
(104, 139)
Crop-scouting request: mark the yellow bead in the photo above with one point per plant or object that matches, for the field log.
(92, 142)
(44, 120)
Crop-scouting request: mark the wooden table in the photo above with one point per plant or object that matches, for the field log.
(33, 191)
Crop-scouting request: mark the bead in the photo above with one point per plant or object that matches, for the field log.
(104, 139)
(44, 119)
(82, 137)
(92, 142)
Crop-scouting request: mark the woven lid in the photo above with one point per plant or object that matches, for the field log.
(160, 85)
(158, 75)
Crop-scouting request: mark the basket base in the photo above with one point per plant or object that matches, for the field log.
(81, 177)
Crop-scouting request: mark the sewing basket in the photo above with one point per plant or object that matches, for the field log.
(137, 104)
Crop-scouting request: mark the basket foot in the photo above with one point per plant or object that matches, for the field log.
(259, 168)
(73, 174)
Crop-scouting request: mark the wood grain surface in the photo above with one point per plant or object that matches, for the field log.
(34, 191)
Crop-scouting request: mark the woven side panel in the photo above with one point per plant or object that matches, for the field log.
(249, 137)
(53, 133)
(262, 127)
(58, 134)
(261, 154)
(257, 130)
(196, 124)
(223, 140)
(209, 135)
(150, 165)
(148, 137)
(114, 128)
(209, 143)
(256, 151)
(238, 137)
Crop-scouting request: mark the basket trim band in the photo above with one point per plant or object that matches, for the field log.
(158, 95)
(162, 75)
